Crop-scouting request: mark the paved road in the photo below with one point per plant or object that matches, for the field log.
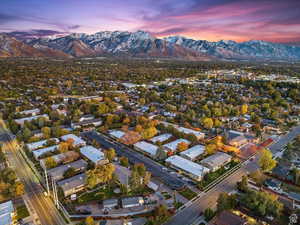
(284, 140)
(134, 157)
(189, 215)
(43, 206)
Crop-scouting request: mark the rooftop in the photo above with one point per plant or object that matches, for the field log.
(146, 147)
(116, 133)
(93, 154)
(187, 165)
(35, 145)
(77, 140)
(216, 160)
(58, 172)
(227, 218)
(6, 209)
(173, 145)
(38, 153)
(72, 182)
(193, 152)
(161, 138)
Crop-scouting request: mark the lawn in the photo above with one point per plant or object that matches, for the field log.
(212, 176)
(187, 193)
(22, 212)
(166, 195)
(97, 195)
(177, 205)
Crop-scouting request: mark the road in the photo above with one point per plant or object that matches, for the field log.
(190, 214)
(134, 157)
(284, 140)
(42, 205)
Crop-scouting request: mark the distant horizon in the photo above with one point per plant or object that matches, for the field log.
(237, 20)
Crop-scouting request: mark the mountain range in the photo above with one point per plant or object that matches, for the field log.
(142, 44)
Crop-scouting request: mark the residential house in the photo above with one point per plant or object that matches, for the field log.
(7, 213)
(146, 148)
(132, 202)
(78, 142)
(172, 146)
(227, 218)
(194, 170)
(96, 156)
(57, 173)
(193, 153)
(216, 160)
(73, 185)
(161, 138)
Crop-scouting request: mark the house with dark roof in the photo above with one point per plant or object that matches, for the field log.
(227, 218)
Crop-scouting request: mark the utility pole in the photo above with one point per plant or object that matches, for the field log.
(54, 190)
(47, 182)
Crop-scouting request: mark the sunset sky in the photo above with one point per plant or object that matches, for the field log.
(270, 20)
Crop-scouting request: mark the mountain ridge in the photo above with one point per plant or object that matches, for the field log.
(143, 44)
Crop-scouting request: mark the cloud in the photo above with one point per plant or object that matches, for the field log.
(22, 35)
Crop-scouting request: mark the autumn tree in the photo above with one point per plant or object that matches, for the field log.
(89, 221)
(208, 123)
(244, 109)
(266, 161)
(110, 154)
(182, 146)
(50, 162)
(124, 161)
(46, 132)
(149, 132)
(210, 149)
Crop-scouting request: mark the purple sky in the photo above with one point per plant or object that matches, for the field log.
(270, 20)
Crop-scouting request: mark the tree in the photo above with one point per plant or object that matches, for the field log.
(50, 163)
(226, 202)
(262, 203)
(161, 213)
(149, 132)
(208, 214)
(208, 123)
(89, 221)
(110, 154)
(138, 128)
(70, 172)
(19, 189)
(101, 174)
(124, 161)
(91, 179)
(182, 146)
(103, 109)
(46, 132)
(63, 147)
(210, 149)
(161, 154)
(26, 134)
(142, 101)
(266, 161)
(244, 109)
(243, 184)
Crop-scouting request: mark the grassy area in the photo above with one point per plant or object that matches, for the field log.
(187, 193)
(97, 195)
(106, 193)
(177, 205)
(166, 195)
(22, 212)
(212, 176)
